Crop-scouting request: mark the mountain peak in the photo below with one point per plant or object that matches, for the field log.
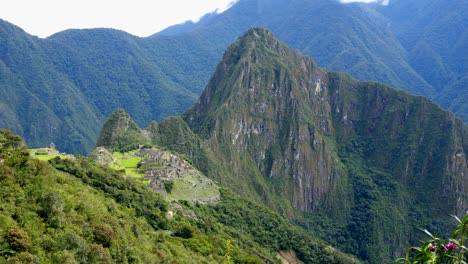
(282, 127)
(257, 72)
(259, 32)
(256, 38)
(120, 131)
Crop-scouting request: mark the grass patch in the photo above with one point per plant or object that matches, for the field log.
(127, 161)
(131, 162)
(46, 154)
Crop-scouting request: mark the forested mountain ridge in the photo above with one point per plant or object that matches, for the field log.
(353, 161)
(61, 88)
(74, 79)
(434, 35)
(418, 46)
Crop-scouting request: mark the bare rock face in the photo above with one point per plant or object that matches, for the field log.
(269, 104)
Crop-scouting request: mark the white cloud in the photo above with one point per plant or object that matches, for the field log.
(382, 2)
(138, 17)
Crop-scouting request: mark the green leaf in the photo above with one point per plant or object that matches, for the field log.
(429, 233)
(456, 218)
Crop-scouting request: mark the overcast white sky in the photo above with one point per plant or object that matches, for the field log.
(138, 17)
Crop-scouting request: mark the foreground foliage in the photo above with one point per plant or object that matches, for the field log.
(437, 250)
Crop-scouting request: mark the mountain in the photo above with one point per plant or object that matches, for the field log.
(349, 38)
(417, 45)
(353, 161)
(74, 79)
(60, 89)
(435, 34)
(120, 132)
(187, 26)
(39, 102)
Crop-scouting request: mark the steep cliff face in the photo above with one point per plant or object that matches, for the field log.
(265, 106)
(406, 161)
(378, 162)
(422, 146)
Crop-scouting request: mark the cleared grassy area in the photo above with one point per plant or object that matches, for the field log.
(131, 162)
(46, 154)
(127, 161)
(44, 157)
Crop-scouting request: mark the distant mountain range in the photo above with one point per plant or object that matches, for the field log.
(60, 89)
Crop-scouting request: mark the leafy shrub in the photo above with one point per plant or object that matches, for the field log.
(23, 258)
(168, 185)
(52, 209)
(18, 239)
(98, 254)
(184, 230)
(199, 244)
(437, 250)
(250, 260)
(103, 234)
(64, 257)
(74, 243)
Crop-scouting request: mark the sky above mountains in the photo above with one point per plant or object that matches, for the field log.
(138, 17)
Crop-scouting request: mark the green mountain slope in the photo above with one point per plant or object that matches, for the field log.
(418, 46)
(435, 35)
(61, 88)
(76, 211)
(349, 38)
(121, 133)
(358, 156)
(38, 101)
